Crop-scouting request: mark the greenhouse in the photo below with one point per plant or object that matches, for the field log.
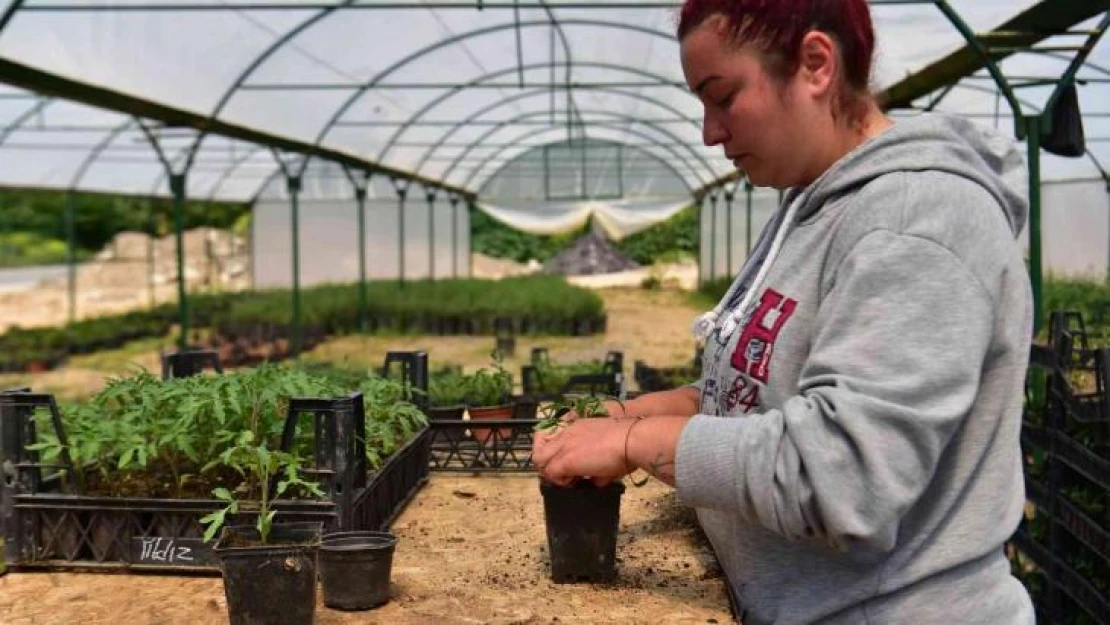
(360, 146)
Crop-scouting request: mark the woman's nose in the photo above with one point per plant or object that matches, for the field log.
(713, 131)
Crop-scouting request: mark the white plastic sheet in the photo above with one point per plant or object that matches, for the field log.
(616, 218)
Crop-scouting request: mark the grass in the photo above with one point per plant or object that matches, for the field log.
(140, 351)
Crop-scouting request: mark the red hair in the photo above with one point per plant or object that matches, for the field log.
(776, 28)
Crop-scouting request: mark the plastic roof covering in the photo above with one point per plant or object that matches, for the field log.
(433, 91)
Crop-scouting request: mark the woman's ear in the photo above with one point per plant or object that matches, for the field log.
(818, 63)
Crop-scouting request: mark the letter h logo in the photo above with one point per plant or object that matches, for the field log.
(757, 343)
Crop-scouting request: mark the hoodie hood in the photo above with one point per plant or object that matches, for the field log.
(927, 142)
(930, 142)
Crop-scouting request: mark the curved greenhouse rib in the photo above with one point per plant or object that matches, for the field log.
(18, 122)
(539, 92)
(653, 141)
(449, 41)
(94, 154)
(1090, 155)
(232, 167)
(7, 16)
(258, 61)
(617, 128)
(618, 116)
(427, 108)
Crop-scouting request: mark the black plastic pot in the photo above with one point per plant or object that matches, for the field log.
(445, 413)
(355, 569)
(582, 522)
(272, 583)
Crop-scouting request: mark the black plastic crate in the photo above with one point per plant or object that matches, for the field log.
(1062, 550)
(651, 379)
(51, 524)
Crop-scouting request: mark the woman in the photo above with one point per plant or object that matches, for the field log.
(852, 447)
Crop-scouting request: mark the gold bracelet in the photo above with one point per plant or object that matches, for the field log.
(627, 464)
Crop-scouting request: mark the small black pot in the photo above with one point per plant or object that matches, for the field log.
(582, 522)
(449, 413)
(355, 569)
(272, 583)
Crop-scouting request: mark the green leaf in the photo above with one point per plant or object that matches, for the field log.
(214, 521)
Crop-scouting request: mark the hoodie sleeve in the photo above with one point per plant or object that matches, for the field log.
(899, 344)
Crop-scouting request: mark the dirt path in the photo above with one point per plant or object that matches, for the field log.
(470, 550)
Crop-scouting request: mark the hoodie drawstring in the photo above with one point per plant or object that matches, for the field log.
(707, 322)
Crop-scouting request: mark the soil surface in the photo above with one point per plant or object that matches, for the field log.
(472, 549)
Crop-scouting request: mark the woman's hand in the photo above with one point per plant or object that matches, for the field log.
(579, 448)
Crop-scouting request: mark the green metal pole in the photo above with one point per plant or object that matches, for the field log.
(177, 187)
(748, 225)
(713, 237)
(431, 197)
(1033, 141)
(699, 204)
(294, 215)
(401, 193)
(360, 199)
(71, 253)
(729, 197)
(152, 231)
(454, 236)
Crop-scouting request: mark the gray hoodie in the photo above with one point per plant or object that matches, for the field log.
(856, 459)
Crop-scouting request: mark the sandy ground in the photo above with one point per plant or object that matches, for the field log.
(649, 325)
(471, 550)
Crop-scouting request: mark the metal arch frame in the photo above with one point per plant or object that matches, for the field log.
(6, 18)
(1022, 102)
(497, 74)
(571, 104)
(539, 92)
(652, 140)
(273, 48)
(26, 115)
(478, 168)
(323, 13)
(362, 89)
(621, 117)
(232, 168)
(616, 126)
(94, 154)
(609, 125)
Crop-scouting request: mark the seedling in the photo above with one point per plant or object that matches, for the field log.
(585, 407)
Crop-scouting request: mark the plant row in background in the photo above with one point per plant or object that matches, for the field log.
(536, 304)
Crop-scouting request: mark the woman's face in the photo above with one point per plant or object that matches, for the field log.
(755, 118)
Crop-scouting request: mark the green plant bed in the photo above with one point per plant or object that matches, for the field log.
(544, 305)
(235, 440)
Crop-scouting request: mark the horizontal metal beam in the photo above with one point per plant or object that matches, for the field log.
(40, 128)
(1028, 28)
(1003, 114)
(1047, 79)
(477, 5)
(395, 86)
(47, 84)
(494, 145)
(108, 194)
(437, 123)
(315, 6)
